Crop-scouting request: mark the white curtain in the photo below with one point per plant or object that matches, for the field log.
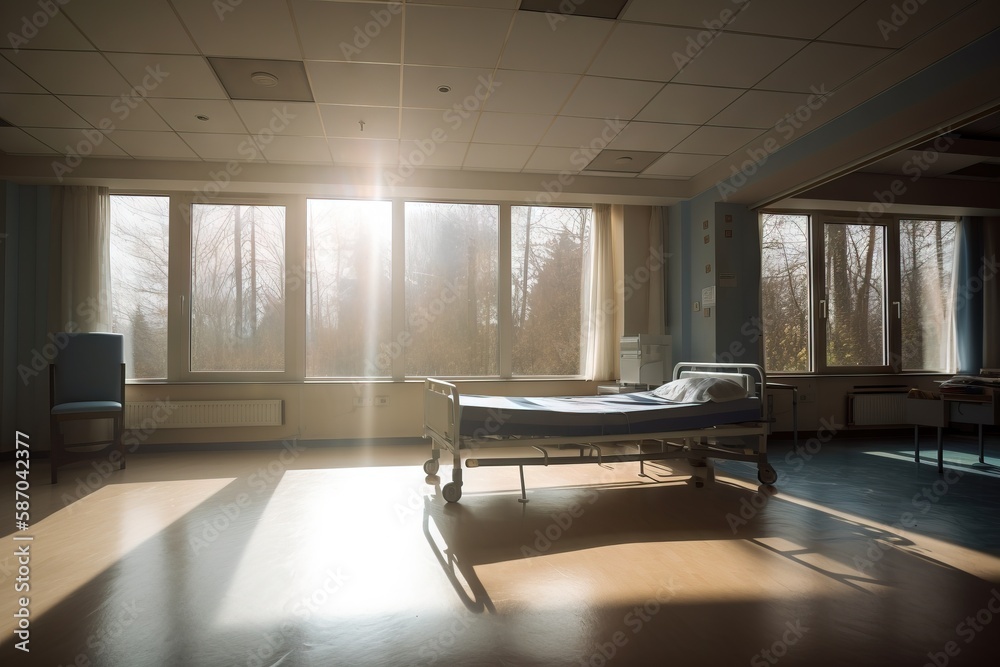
(601, 309)
(656, 304)
(81, 224)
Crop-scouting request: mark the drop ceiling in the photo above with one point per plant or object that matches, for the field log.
(680, 88)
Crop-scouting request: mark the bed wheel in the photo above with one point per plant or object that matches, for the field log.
(766, 474)
(451, 492)
(431, 466)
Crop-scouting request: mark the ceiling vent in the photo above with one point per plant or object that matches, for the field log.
(626, 162)
(271, 80)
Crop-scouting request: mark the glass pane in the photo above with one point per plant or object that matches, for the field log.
(549, 258)
(926, 252)
(348, 288)
(785, 291)
(451, 289)
(855, 293)
(140, 242)
(237, 288)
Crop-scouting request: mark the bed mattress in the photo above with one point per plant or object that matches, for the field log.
(613, 414)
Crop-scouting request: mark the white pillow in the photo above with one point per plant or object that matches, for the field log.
(701, 390)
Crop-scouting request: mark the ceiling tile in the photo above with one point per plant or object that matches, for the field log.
(594, 133)
(724, 61)
(639, 136)
(822, 66)
(766, 17)
(450, 35)
(240, 147)
(511, 128)
(350, 31)
(616, 161)
(637, 51)
(116, 113)
(152, 144)
(382, 152)
(569, 47)
(13, 80)
(757, 108)
(282, 80)
(344, 121)
(717, 140)
(70, 73)
(470, 87)
(556, 159)
(496, 4)
(241, 30)
(38, 111)
(497, 157)
(281, 148)
(424, 124)
(678, 103)
(421, 154)
(296, 118)
(23, 29)
(354, 83)
(76, 142)
(681, 164)
(149, 26)
(529, 92)
(597, 97)
(181, 115)
(873, 23)
(169, 75)
(15, 141)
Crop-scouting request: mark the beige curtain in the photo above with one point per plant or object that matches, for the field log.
(656, 305)
(601, 310)
(81, 243)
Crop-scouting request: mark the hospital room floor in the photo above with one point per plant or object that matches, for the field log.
(346, 556)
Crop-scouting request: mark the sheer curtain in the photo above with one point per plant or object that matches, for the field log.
(968, 296)
(81, 242)
(656, 305)
(601, 309)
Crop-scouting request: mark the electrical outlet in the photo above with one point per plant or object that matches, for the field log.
(381, 401)
(363, 401)
(697, 306)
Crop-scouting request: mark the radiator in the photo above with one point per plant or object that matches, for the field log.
(202, 414)
(876, 409)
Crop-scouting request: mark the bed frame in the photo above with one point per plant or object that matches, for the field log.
(443, 417)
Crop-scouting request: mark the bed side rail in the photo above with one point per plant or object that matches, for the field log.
(442, 410)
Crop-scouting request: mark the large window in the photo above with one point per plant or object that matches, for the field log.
(451, 289)
(549, 258)
(237, 287)
(880, 293)
(348, 288)
(139, 255)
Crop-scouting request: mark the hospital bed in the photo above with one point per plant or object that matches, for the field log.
(659, 429)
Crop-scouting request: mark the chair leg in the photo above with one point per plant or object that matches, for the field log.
(55, 446)
(119, 444)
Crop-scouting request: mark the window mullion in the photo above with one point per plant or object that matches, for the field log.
(398, 287)
(506, 341)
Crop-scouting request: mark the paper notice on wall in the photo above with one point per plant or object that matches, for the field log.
(708, 296)
(727, 279)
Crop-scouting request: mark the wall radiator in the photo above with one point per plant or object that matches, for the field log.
(202, 414)
(876, 409)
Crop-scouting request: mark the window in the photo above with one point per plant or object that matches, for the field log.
(549, 259)
(881, 293)
(451, 272)
(348, 288)
(926, 253)
(237, 287)
(139, 252)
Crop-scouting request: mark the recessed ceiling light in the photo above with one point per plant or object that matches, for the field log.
(265, 79)
(201, 117)
(444, 89)
(624, 159)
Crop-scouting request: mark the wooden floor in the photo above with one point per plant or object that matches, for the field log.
(347, 556)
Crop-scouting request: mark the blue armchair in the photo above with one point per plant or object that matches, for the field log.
(87, 381)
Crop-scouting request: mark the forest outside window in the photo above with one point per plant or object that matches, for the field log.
(844, 295)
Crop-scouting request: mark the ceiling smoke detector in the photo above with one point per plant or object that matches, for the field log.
(444, 88)
(265, 79)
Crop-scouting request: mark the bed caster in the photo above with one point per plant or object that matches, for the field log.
(766, 474)
(452, 492)
(431, 467)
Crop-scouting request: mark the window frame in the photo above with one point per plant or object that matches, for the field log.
(893, 324)
(179, 339)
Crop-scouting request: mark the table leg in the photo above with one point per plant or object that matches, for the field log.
(981, 452)
(795, 418)
(940, 451)
(916, 444)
